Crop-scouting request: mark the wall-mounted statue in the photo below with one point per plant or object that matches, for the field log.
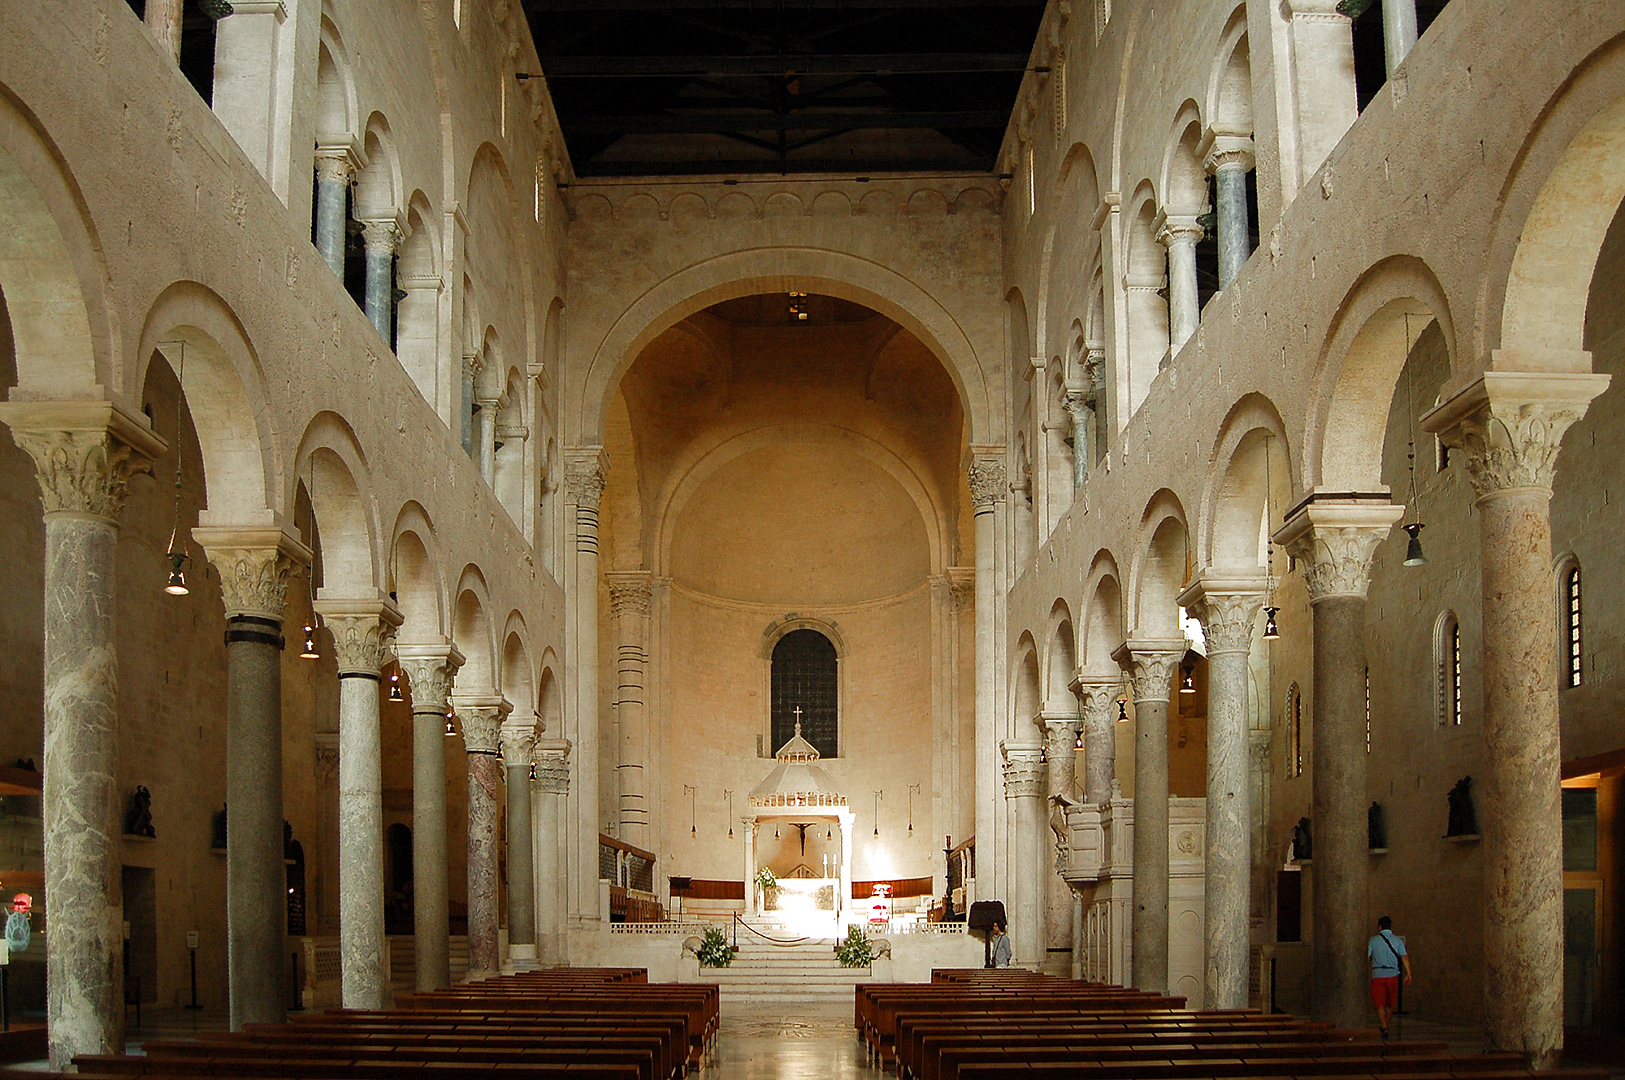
(138, 818)
(1376, 828)
(1463, 821)
(1303, 842)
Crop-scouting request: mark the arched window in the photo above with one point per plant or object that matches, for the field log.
(1447, 661)
(1573, 670)
(1294, 731)
(805, 677)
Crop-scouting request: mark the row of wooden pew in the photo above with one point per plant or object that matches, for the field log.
(982, 1025)
(561, 1024)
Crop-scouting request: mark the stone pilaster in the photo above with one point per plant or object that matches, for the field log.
(518, 738)
(1227, 609)
(362, 633)
(482, 721)
(1098, 700)
(335, 171)
(989, 489)
(1510, 426)
(584, 472)
(1180, 235)
(84, 455)
(548, 793)
(381, 238)
(1229, 160)
(1320, 40)
(1025, 780)
(471, 369)
(629, 594)
(1151, 664)
(1333, 542)
(429, 670)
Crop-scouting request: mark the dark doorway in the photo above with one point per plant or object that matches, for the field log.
(398, 880)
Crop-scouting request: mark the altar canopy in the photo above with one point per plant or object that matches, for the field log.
(798, 787)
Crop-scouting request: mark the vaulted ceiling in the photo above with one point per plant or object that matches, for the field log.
(722, 87)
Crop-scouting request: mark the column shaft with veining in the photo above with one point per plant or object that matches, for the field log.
(989, 488)
(429, 672)
(481, 723)
(518, 738)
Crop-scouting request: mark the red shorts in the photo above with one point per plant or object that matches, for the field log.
(1385, 992)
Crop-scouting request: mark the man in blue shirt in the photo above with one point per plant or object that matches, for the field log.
(1388, 958)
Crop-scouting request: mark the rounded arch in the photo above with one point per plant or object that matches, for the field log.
(1555, 210)
(1103, 630)
(1027, 697)
(1184, 181)
(337, 107)
(333, 470)
(473, 634)
(549, 696)
(1250, 468)
(1230, 86)
(416, 576)
(201, 340)
(776, 630)
(518, 677)
(1360, 363)
(1160, 567)
(52, 274)
(378, 183)
(783, 269)
(1060, 661)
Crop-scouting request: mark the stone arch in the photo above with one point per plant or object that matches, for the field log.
(416, 576)
(333, 471)
(779, 627)
(1231, 531)
(52, 274)
(224, 387)
(337, 107)
(1103, 630)
(1184, 180)
(782, 269)
(378, 182)
(549, 696)
(1060, 661)
(417, 316)
(1359, 365)
(1545, 239)
(1144, 282)
(1160, 568)
(1027, 697)
(473, 634)
(518, 677)
(1230, 86)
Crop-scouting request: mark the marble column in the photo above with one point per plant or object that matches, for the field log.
(1080, 409)
(164, 18)
(989, 487)
(486, 436)
(1510, 427)
(584, 488)
(548, 792)
(1227, 610)
(335, 169)
(1230, 159)
(481, 720)
(1099, 702)
(629, 594)
(1180, 235)
(1025, 779)
(751, 826)
(1061, 747)
(380, 238)
(518, 737)
(361, 644)
(465, 406)
(84, 455)
(1398, 31)
(1333, 542)
(429, 672)
(1151, 664)
(254, 566)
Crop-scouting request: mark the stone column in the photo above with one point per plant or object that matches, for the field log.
(164, 18)
(481, 719)
(381, 239)
(1099, 702)
(584, 487)
(1151, 664)
(843, 903)
(751, 825)
(629, 594)
(1333, 542)
(1230, 159)
(1179, 234)
(487, 437)
(429, 671)
(465, 406)
(335, 169)
(1510, 426)
(1398, 31)
(548, 793)
(1024, 782)
(1227, 610)
(1080, 409)
(361, 641)
(254, 567)
(518, 736)
(84, 455)
(1061, 747)
(989, 487)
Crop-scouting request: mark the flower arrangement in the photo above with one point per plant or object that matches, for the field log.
(714, 949)
(855, 951)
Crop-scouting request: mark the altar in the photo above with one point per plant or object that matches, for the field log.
(796, 790)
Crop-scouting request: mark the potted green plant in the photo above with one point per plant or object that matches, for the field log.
(855, 951)
(715, 952)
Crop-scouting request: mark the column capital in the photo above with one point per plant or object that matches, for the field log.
(84, 452)
(336, 162)
(1226, 607)
(473, 364)
(1077, 402)
(988, 478)
(1334, 540)
(630, 592)
(1024, 773)
(327, 756)
(429, 668)
(517, 737)
(381, 235)
(552, 757)
(481, 715)
(1096, 694)
(1061, 733)
(255, 566)
(362, 632)
(1150, 663)
(1230, 152)
(1178, 229)
(1510, 425)
(961, 587)
(584, 469)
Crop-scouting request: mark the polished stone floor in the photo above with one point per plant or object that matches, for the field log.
(788, 1041)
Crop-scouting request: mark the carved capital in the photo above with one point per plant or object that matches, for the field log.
(988, 481)
(1061, 734)
(1150, 665)
(1335, 541)
(472, 366)
(361, 643)
(335, 166)
(429, 672)
(629, 592)
(1024, 773)
(1078, 405)
(253, 580)
(1182, 229)
(1230, 152)
(1094, 367)
(1098, 701)
(381, 237)
(962, 588)
(481, 727)
(84, 452)
(584, 476)
(517, 738)
(1226, 609)
(553, 770)
(1510, 425)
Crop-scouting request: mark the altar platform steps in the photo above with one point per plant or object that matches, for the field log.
(762, 971)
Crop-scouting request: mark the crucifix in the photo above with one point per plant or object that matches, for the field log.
(796, 712)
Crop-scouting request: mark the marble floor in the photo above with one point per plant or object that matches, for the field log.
(784, 1041)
